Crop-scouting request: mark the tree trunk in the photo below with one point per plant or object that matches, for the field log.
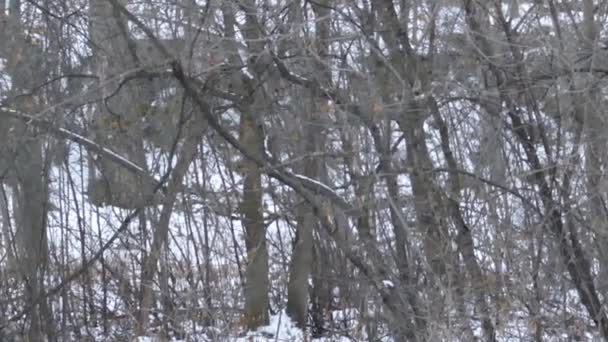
(300, 266)
(117, 119)
(256, 275)
(313, 142)
(194, 134)
(30, 175)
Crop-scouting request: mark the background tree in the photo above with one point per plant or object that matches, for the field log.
(369, 169)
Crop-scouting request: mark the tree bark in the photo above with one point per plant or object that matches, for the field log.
(256, 274)
(312, 142)
(30, 172)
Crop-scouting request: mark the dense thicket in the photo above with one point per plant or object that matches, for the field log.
(376, 169)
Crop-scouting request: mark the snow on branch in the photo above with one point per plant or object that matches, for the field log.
(77, 138)
(323, 189)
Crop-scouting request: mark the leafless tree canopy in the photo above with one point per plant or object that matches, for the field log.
(382, 170)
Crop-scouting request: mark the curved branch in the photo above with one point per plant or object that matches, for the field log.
(89, 144)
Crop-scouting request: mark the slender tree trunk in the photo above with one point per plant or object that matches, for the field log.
(300, 267)
(31, 231)
(161, 231)
(313, 141)
(251, 135)
(256, 274)
(464, 238)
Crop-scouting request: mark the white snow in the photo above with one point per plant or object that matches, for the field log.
(315, 182)
(143, 339)
(5, 79)
(388, 284)
(280, 328)
(151, 339)
(315, 185)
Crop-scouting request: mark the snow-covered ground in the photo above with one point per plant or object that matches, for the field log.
(280, 328)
